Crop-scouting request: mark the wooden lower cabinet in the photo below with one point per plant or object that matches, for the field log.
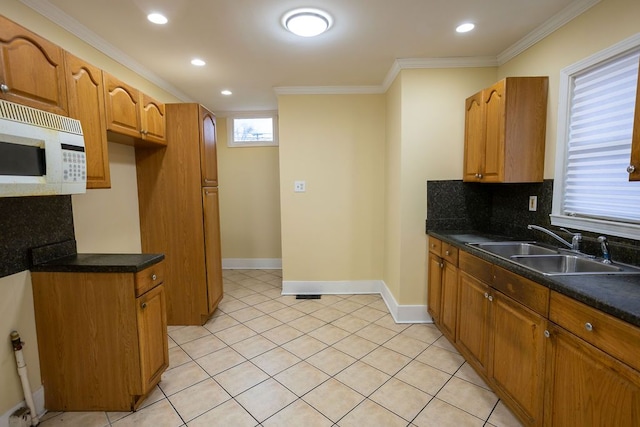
(442, 290)
(517, 352)
(102, 343)
(473, 320)
(434, 289)
(552, 360)
(587, 387)
(449, 303)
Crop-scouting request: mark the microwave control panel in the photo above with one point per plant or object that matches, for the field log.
(74, 166)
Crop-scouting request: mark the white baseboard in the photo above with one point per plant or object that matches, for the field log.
(251, 263)
(38, 401)
(400, 313)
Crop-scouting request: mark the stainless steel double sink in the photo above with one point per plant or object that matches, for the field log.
(550, 261)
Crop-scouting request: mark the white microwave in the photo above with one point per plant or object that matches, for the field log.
(41, 153)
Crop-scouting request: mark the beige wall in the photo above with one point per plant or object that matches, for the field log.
(431, 148)
(104, 220)
(335, 143)
(249, 181)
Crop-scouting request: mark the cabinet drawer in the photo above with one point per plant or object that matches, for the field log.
(526, 292)
(449, 253)
(476, 267)
(435, 246)
(149, 278)
(614, 336)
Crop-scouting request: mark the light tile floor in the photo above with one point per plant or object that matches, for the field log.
(268, 360)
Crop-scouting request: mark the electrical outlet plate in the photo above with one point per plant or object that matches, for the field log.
(533, 203)
(299, 186)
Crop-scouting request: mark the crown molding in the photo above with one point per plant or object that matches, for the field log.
(567, 14)
(63, 20)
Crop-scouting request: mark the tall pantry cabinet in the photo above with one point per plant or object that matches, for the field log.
(179, 212)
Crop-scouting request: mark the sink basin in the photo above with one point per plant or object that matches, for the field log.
(508, 249)
(562, 264)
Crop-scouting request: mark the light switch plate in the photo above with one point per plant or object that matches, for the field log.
(533, 203)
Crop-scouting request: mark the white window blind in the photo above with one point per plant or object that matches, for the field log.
(596, 183)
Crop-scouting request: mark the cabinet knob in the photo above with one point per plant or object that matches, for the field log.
(588, 326)
(4, 88)
(486, 295)
(490, 298)
(143, 305)
(547, 334)
(154, 277)
(630, 168)
(442, 265)
(447, 253)
(480, 175)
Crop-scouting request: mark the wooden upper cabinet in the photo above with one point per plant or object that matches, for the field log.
(634, 164)
(208, 155)
(86, 103)
(505, 128)
(132, 113)
(31, 69)
(152, 119)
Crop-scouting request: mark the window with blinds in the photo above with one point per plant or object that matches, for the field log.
(592, 190)
(599, 142)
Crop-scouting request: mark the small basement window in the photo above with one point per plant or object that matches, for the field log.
(253, 129)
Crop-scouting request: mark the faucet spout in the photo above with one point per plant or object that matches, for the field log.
(574, 245)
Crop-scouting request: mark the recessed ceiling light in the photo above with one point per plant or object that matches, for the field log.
(307, 22)
(226, 92)
(157, 18)
(198, 62)
(465, 28)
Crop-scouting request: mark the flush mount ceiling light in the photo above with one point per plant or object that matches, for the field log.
(307, 22)
(226, 92)
(465, 28)
(157, 18)
(198, 62)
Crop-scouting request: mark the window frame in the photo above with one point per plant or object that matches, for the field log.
(232, 143)
(558, 218)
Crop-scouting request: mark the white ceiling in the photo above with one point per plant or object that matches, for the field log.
(248, 51)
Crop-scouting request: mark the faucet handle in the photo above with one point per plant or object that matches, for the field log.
(571, 232)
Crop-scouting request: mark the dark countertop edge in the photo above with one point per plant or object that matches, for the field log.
(100, 263)
(561, 284)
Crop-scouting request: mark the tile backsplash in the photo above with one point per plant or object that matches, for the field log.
(31, 222)
(502, 209)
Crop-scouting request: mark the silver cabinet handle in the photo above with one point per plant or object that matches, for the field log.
(4, 88)
(143, 305)
(631, 169)
(547, 334)
(447, 253)
(154, 277)
(588, 326)
(442, 265)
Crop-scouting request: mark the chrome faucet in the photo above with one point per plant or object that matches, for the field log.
(606, 255)
(575, 239)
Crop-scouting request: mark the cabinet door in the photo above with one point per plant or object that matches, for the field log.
(31, 69)
(449, 303)
(152, 336)
(473, 320)
(152, 119)
(517, 352)
(634, 165)
(494, 103)
(434, 287)
(121, 102)
(208, 155)
(474, 137)
(213, 255)
(587, 387)
(86, 103)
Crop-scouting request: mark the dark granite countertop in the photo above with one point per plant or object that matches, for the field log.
(100, 263)
(617, 295)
